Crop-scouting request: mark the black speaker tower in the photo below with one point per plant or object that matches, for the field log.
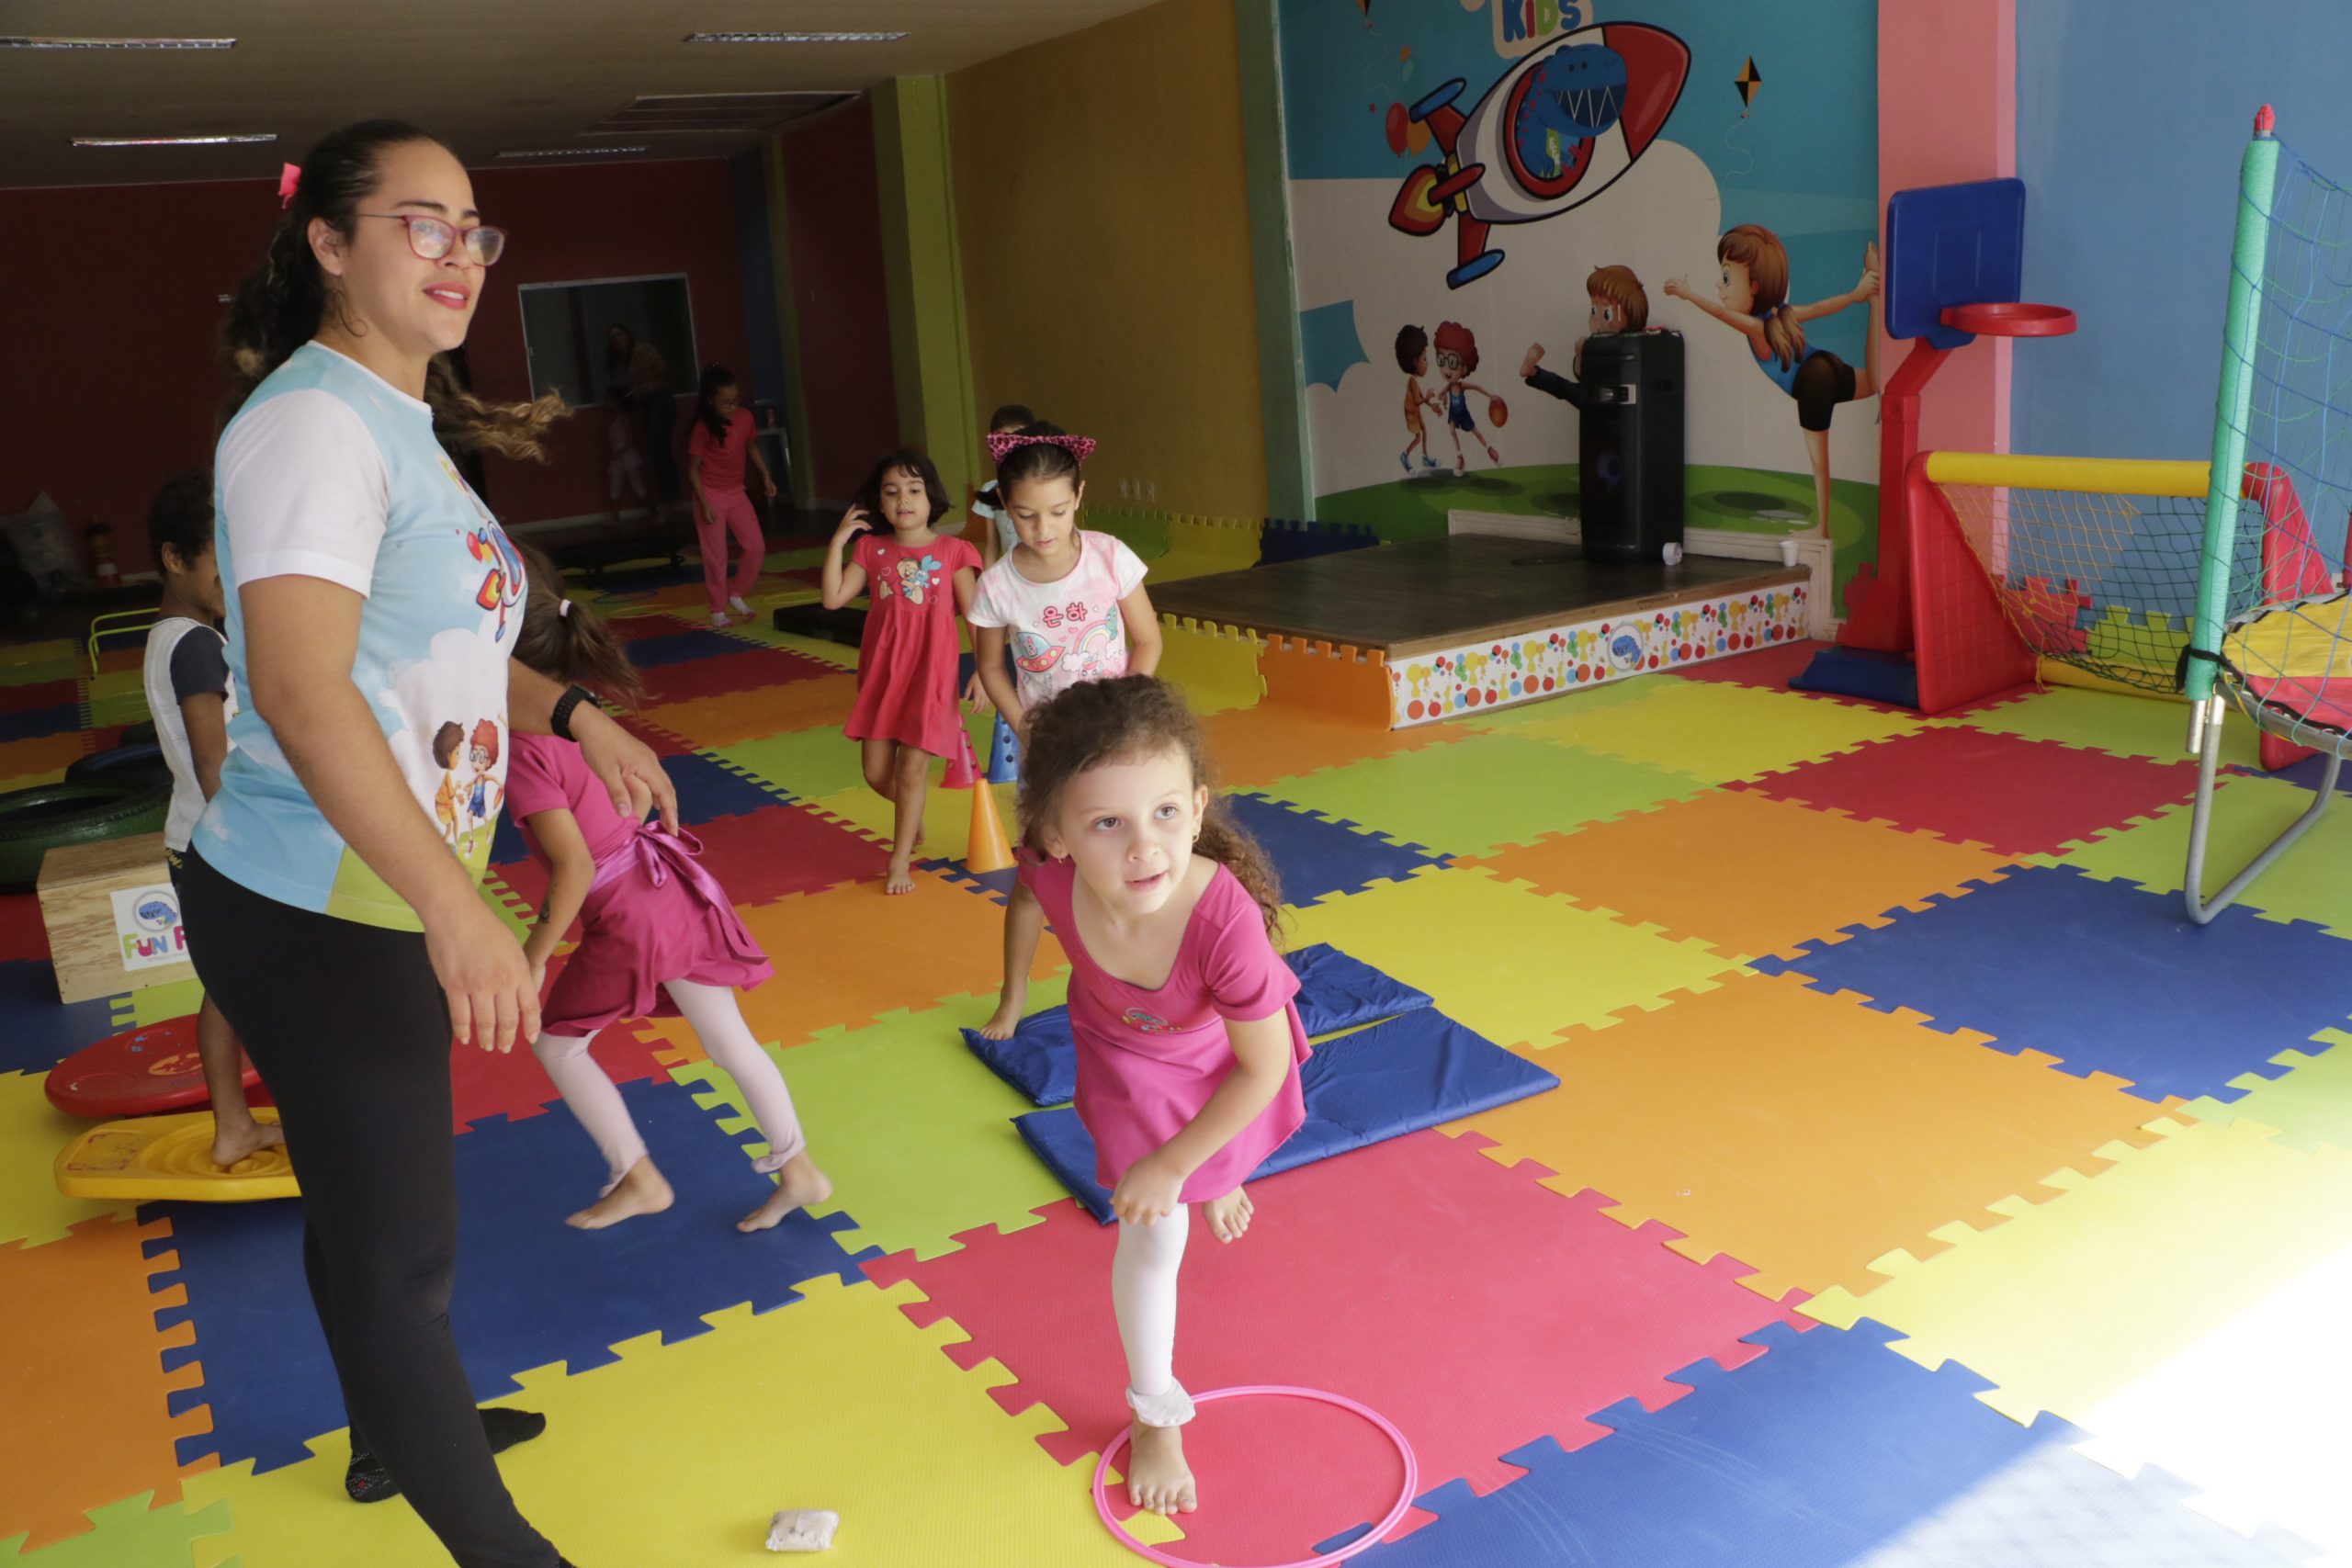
(1629, 467)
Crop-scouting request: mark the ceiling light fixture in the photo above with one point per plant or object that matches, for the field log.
(169, 140)
(14, 42)
(794, 38)
(572, 151)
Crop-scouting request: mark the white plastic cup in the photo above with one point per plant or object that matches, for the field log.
(1788, 552)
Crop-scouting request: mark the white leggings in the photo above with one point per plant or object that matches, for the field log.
(711, 1012)
(1143, 1295)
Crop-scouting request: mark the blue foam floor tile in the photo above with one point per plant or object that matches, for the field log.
(2101, 974)
(707, 790)
(37, 1030)
(530, 1289)
(1827, 1451)
(1318, 859)
(26, 724)
(676, 648)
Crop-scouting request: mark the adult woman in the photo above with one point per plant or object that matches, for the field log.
(641, 368)
(373, 604)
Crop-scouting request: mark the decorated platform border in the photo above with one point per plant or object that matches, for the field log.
(1427, 687)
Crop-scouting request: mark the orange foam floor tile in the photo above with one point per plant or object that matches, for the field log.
(1255, 746)
(852, 953)
(738, 717)
(1750, 874)
(81, 1378)
(1807, 1135)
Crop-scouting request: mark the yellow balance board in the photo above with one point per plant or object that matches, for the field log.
(149, 1157)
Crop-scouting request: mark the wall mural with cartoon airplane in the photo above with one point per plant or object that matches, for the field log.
(1484, 183)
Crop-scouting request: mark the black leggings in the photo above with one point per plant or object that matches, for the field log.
(350, 1030)
(1823, 382)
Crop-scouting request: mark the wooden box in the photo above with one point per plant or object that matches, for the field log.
(113, 920)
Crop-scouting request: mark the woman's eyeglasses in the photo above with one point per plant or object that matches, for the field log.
(433, 237)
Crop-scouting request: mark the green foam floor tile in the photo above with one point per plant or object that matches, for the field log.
(1486, 791)
(130, 1534)
(2307, 882)
(914, 1130)
(1717, 731)
(2147, 726)
(808, 763)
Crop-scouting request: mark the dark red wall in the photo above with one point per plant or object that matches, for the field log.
(112, 314)
(833, 209)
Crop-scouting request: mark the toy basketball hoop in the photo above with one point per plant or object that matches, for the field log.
(2010, 318)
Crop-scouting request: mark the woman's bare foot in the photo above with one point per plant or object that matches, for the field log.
(1158, 1477)
(903, 876)
(241, 1137)
(798, 1184)
(1230, 1216)
(641, 1191)
(1007, 1017)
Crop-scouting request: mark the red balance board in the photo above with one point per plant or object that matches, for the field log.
(139, 1072)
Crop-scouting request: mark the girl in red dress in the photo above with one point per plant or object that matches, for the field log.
(920, 582)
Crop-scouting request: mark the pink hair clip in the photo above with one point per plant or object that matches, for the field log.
(1002, 442)
(289, 179)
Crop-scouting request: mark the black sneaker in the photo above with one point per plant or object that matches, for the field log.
(368, 1481)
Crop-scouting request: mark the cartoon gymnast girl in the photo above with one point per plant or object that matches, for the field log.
(1753, 287)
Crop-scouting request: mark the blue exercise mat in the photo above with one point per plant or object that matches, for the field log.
(1335, 992)
(1395, 1077)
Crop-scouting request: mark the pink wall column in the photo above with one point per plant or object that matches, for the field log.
(1947, 95)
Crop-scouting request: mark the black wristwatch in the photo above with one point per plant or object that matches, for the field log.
(560, 722)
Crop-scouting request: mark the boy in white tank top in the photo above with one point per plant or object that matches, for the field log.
(191, 695)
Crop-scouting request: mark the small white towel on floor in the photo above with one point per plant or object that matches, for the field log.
(802, 1529)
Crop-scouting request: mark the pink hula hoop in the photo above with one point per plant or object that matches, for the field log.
(1395, 1515)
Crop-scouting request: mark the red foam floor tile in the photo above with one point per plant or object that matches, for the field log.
(2013, 796)
(1466, 1304)
(489, 1083)
(729, 672)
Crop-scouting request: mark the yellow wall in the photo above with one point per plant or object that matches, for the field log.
(1102, 210)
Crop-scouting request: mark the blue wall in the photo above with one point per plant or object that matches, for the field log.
(2131, 120)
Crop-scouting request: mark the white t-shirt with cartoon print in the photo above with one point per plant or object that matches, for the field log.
(1067, 630)
(329, 472)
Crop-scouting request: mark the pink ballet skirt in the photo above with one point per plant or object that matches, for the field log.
(653, 915)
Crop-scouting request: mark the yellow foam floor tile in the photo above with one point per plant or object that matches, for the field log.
(1514, 965)
(2310, 1104)
(2069, 1305)
(914, 1130)
(2155, 728)
(1863, 1131)
(1717, 731)
(1752, 873)
(32, 1130)
(678, 1454)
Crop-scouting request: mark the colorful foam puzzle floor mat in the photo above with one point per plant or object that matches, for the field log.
(1921, 1187)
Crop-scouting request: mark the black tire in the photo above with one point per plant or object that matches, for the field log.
(140, 734)
(123, 763)
(49, 817)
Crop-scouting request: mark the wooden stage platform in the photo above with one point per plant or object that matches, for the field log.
(1477, 620)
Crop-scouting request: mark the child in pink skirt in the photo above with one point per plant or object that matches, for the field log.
(1188, 1042)
(919, 582)
(658, 937)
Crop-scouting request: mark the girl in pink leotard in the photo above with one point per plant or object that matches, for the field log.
(1189, 1042)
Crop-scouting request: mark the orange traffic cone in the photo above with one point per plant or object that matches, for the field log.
(988, 849)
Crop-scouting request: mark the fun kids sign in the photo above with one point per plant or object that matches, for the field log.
(147, 927)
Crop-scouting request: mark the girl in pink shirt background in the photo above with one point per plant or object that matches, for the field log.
(722, 442)
(658, 937)
(1189, 1041)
